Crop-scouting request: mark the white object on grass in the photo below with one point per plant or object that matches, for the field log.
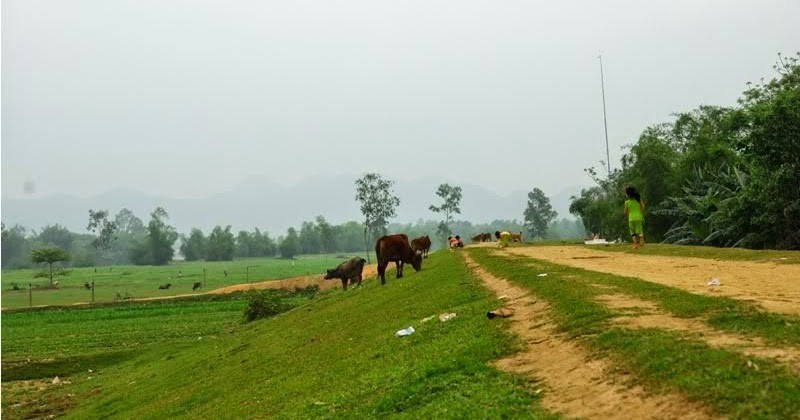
(713, 282)
(404, 332)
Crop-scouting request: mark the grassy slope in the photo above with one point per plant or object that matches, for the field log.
(334, 356)
(143, 281)
(659, 359)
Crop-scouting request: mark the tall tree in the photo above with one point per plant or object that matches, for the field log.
(15, 246)
(104, 230)
(220, 244)
(56, 236)
(378, 205)
(193, 248)
(451, 204)
(309, 238)
(538, 214)
(327, 236)
(157, 247)
(290, 245)
(128, 223)
(49, 256)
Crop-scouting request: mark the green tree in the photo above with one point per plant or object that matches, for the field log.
(15, 246)
(290, 245)
(157, 246)
(193, 247)
(262, 245)
(56, 236)
(129, 224)
(49, 256)
(327, 235)
(244, 245)
(104, 230)
(378, 205)
(220, 244)
(309, 238)
(451, 204)
(538, 214)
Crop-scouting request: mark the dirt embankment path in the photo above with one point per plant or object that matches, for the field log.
(776, 287)
(575, 385)
(370, 271)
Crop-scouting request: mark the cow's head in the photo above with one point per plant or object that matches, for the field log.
(330, 274)
(416, 262)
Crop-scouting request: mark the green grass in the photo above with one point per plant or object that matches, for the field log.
(736, 254)
(333, 356)
(143, 281)
(661, 360)
(42, 343)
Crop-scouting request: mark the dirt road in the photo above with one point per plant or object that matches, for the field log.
(776, 287)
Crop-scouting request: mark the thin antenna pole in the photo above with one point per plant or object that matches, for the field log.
(605, 121)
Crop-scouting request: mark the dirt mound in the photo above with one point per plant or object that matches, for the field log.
(575, 385)
(776, 287)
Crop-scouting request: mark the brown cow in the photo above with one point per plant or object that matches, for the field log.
(516, 237)
(423, 244)
(396, 248)
(348, 271)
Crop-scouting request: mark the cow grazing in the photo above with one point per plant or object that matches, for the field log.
(196, 286)
(165, 286)
(477, 238)
(348, 271)
(396, 248)
(487, 237)
(516, 237)
(422, 244)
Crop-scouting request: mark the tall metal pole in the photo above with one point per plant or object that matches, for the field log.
(605, 121)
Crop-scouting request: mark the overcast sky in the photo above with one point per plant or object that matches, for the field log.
(189, 98)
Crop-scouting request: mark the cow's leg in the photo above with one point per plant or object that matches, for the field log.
(382, 271)
(400, 269)
(359, 280)
(344, 284)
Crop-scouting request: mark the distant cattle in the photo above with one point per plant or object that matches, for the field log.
(422, 244)
(516, 237)
(165, 286)
(396, 248)
(347, 271)
(482, 237)
(197, 285)
(87, 286)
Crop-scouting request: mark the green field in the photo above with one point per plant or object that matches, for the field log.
(143, 281)
(335, 353)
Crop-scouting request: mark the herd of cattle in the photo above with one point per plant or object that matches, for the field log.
(398, 249)
(392, 248)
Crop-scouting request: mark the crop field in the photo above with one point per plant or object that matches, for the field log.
(133, 281)
(592, 333)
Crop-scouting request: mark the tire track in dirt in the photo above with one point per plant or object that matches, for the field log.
(775, 287)
(638, 313)
(576, 386)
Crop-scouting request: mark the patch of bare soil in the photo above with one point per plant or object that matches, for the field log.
(776, 287)
(576, 385)
(645, 314)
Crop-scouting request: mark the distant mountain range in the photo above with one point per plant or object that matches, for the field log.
(260, 203)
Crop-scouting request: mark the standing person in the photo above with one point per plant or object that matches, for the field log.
(634, 209)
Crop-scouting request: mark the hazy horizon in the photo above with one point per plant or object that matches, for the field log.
(187, 99)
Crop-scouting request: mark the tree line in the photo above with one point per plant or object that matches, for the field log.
(126, 239)
(720, 176)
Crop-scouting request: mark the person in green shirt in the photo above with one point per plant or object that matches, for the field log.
(634, 210)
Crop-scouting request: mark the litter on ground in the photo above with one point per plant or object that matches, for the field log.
(542, 275)
(713, 282)
(446, 317)
(404, 332)
(502, 313)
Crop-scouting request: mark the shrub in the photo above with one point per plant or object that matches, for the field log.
(261, 304)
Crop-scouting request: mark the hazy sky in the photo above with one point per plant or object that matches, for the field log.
(189, 98)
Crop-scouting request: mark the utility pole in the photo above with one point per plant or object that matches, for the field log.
(30, 295)
(605, 121)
